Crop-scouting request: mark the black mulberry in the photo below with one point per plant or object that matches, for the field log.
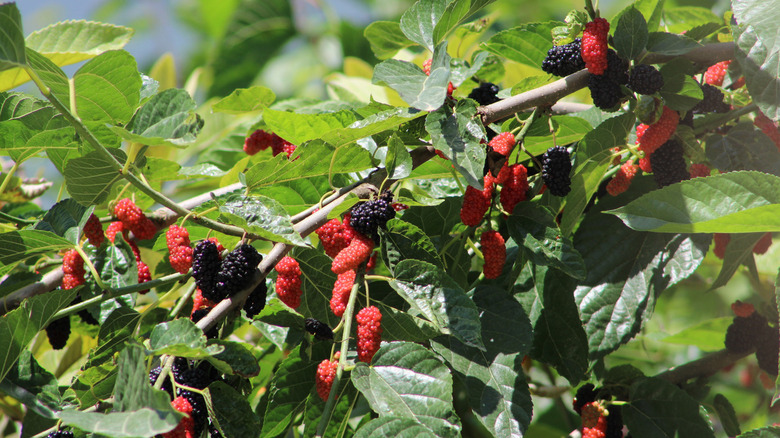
(645, 79)
(370, 215)
(744, 332)
(768, 349)
(197, 315)
(712, 102)
(60, 434)
(235, 272)
(614, 422)
(564, 60)
(198, 378)
(668, 164)
(58, 332)
(556, 166)
(585, 394)
(617, 68)
(319, 329)
(255, 302)
(485, 94)
(205, 266)
(605, 92)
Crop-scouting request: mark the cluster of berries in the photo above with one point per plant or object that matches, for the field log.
(749, 330)
(716, 73)
(622, 179)
(134, 220)
(485, 94)
(260, 140)
(556, 167)
(179, 250)
(220, 278)
(367, 217)
(722, 241)
(597, 421)
(369, 332)
(60, 434)
(73, 269)
(326, 374)
(288, 282)
(189, 375)
(93, 231)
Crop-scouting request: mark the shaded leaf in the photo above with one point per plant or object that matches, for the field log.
(232, 411)
(65, 219)
(235, 359)
(458, 133)
(630, 34)
(743, 149)
(132, 390)
(404, 241)
(18, 245)
(398, 161)
(12, 51)
(670, 44)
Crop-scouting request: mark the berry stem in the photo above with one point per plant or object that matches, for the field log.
(182, 301)
(92, 270)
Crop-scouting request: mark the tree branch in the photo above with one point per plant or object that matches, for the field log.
(51, 280)
(702, 367)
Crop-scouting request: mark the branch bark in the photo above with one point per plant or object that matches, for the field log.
(702, 367)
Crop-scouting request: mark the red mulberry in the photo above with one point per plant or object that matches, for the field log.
(358, 251)
(427, 69)
(715, 74)
(288, 282)
(179, 249)
(144, 275)
(476, 203)
(114, 228)
(649, 138)
(335, 236)
(721, 241)
(699, 170)
(494, 252)
(200, 302)
(594, 421)
(503, 143)
(369, 333)
(763, 244)
(515, 186)
(73, 264)
(257, 141)
(94, 231)
(594, 45)
(741, 309)
(186, 426)
(133, 219)
(326, 373)
(622, 179)
(768, 127)
(341, 292)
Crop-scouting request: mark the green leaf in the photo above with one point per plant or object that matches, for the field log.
(394, 426)
(593, 160)
(421, 91)
(757, 52)
(19, 326)
(680, 91)
(626, 271)
(339, 416)
(497, 388)
(727, 415)
(65, 219)
(21, 142)
(403, 241)
(706, 335)
(316, 158)
(407, 381)
(398, 160)
(738, 252)
(534, 229)
(386, 38)
(143, 422)
(12, 51)
(114, 332)
(679, 19)
(659, 408)
(245, 100)
(317, 285)
(461, 71)
(94, 384)
(652, 10)
(232, 411)
(743, 148)
(168, 118)
(132, 390)
(89, 178)
(435, 295)
(72, 41)
(419, 21)
(373, 124)
(568, 129)
(733, 202)
(260, 215)
(277, 313)
(458, 133)
(50, 74)
(234, 359)
(18, 245)
(299, 128)
(32, 385)
(181, 337)
(527, 44)
(456, 13)
(116, 264)
(764, 432)
(630, 34)
(670, 44)
(34, 113)
(399, 325)
(108, 88)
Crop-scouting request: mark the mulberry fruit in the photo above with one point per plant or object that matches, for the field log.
(200, 302)
(199, 314)
(645, 79)
(326, 374)
(144, 275)
(73, 269)
(712, 102)
(494, 252)
(235, 272)
(476, 203)
(622, 179)
(288, 282)
(197, 378)
(651, 137)
(564, 60)
(556, 166)
(186, 426)
(594, 420)
(180, 252)
(594, 46)
(698, 170)
(255, 302)
(716, 73)
(319, 329)
(668, 164)
(258, 141)
(369, 333)
(763, 244)
(58, 332)
(721, 241)
(114, 228)
(644, 164)
(60, 434)
(368, 216)
(93, 230)
(743, 333)
(741, 309)
(335, 236)
(205, 266)
(605, 92)
(485, 94)
(768, 127)
(133, 219)
(358, 251)
(341, 292)
(515, 186)
(503, 143)
(281, 145)
(585, 394)
(617, 68)
(768, 349)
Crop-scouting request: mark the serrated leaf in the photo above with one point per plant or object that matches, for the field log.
(94, 384)
(18, 245)
(404, 241)
(733, 202)
(143, 422)
(436, 296)
(65, 219)
(568, 129)
(659, 408)
(387, 119)
(234, 359)
(630, 34)
(89, 178)
(757, 52)
(461, 71)
(670, 44)
(317, 285)
(168, 118)
(398, 325)
(181, 337)
(398, 161)
(626, 271)
(298, 128)
(72, 41)
(680, 91)
(12, 51)
(34, 113)
(420, 91)
(114, 332)
(132, 390)
(534, 229)
(386, 38)
(50, 74)
(394, 426)
(108, 88)
(527, 44)
(743, 149)
(682, 18)
(458, 133)
(455, 14)
(260, 215)
(232, 411)
(245, 100)
(419, 21)
(19, 326)
(407, 381)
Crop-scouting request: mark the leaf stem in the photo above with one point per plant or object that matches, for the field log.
(92, 270)
(8, 177)
(14, 219)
